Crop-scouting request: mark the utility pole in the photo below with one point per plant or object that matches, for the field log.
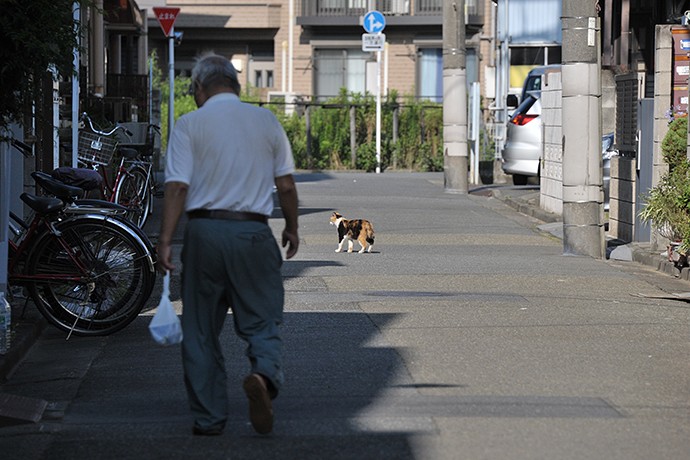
(454, 98)
(583, 196)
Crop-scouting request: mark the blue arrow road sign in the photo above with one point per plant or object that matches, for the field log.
(374, 22)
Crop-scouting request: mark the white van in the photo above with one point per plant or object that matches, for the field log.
(534, 77)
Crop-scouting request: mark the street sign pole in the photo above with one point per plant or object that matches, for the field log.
(374, 23)
(378, 112)
(166, 19)
(171, 81)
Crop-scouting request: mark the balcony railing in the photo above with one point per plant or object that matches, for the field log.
(334, 7)
(429, 7)
(473, 8)
(359, 7)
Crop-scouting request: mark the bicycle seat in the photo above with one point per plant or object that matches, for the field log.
(128, 152)
(57, 188)
(42, 204)
(84, 178)
(100, 204)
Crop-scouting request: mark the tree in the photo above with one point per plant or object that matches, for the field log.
(35, 36)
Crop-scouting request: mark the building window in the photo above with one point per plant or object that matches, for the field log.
(525, 58)
(335, 69)
(430, 77)
(535, 55)
(260, 69)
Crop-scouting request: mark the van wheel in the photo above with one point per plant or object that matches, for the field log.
(519, 179)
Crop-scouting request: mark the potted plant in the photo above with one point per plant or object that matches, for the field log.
(668, 203)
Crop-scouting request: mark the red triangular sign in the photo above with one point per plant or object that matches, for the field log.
(166, 18)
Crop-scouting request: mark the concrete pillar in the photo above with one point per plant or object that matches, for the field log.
(454, 98)
(98, 48)
(115, 55)
(583, 196)
(143, 47)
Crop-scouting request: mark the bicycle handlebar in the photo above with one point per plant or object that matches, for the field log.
(85, 117)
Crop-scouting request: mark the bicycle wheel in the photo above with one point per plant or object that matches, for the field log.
(134, 192)
(94, 278)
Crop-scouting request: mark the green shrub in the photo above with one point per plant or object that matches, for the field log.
(675, 143)
(419, 146)
(667, 204)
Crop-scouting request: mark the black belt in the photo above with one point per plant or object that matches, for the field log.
(226, 215)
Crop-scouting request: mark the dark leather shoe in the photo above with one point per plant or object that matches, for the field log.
(211, 431)
(260, 407)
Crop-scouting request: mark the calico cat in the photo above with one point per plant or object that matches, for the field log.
(359, 230)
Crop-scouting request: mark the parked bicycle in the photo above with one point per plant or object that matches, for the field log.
(74, 204)
(131, 184)
(87, 273)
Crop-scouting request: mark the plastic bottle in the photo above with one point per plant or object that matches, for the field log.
(5, 324)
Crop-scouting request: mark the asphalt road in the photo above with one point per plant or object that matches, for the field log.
(465, 334)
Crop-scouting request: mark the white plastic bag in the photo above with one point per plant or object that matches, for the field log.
(165, 326)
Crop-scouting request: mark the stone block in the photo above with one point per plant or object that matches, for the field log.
(582, 78)
(662, 93)
(663, 39)
(623, 168)
(622, 190)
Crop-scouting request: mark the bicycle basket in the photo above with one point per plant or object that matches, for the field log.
(95, 148)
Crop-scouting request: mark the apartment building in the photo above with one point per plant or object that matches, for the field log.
(313, 48)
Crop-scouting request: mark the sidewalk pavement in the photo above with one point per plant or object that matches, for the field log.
(526, 200)
(465, 334)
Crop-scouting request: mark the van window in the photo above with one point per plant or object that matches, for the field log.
(533, 83)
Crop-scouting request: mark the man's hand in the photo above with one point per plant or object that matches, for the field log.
(287, 196)
(164, 263)
(173, 206)
(291, 240)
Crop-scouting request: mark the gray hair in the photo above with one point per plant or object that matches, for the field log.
(215, 70)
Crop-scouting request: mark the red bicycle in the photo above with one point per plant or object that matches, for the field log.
(87, 273)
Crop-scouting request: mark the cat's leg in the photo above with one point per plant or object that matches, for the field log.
(350, 245)
(340, 245)
(363, 243)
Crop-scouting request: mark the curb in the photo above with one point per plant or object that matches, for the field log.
(641, 252)
(24, 335)
(526, 208)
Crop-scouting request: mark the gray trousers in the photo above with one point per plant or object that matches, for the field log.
(228, 264)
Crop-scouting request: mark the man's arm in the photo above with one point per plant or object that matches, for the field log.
(287, 197)
(173, 206)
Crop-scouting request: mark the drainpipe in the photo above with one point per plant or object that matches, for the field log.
(291, 40)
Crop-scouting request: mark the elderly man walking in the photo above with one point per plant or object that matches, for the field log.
(223, 161)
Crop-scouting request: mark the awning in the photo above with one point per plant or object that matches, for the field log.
(123, 15)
